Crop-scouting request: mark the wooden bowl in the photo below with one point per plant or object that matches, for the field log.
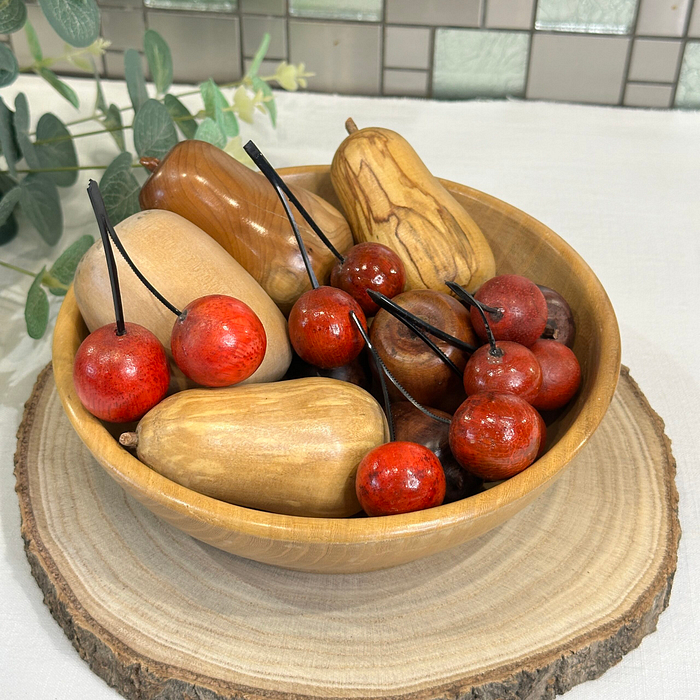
(521, 245)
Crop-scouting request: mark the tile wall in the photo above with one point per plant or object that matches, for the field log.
(635, 53)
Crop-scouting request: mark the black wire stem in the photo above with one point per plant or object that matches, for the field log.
(465, 296)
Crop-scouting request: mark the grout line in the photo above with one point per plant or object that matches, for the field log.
(655, 83)
(482, 10)
(684, 43)
(237, 13)
(628, 58)
(382, 48)
(531, 32)
(431, 62)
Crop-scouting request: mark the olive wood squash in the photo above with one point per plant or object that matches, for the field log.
(521, 245)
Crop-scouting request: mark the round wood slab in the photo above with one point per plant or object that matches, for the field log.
(553, 597)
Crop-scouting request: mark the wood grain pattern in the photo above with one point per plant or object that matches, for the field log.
(289, 447)
(521, 244)
(553, 597)
(241, 211)
(183, 264)
(390, 197)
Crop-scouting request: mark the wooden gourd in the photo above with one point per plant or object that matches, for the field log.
(182, 263)
(292, 447)
(390, 197)
(240, 210)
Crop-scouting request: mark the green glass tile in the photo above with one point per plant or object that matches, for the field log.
(478, 63)
(591, 16)
(201, 5)
(363, 10)
(688, 91)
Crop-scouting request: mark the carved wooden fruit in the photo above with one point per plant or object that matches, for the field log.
(183, 264)
(292, 447)
(240, 210)
(390, 197)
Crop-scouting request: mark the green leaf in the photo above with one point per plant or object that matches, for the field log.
(113, 120)
(21, 123)
(259, 55)
(62, 88)
(8, 229)
(13, 15)
(59, 153)
(7, 137)
(75, 21)
(8, 202)
(135, 82)
(100, 102)
(216, 107)
(120, 189)
(269, 104)
(154, 130)
(209, 131)
(160, 61)
(33, 41)
(8, 66)
(36, 310)
(40, 202)
(181, 116)
(64, 268)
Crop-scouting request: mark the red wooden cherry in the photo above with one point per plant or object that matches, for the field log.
(369, 266)
(508, 368)
(561, 374)
(321, 330)
(495, 436)
(522, 309)
(543, 441)
(119, 378)
(218, 341)
(399, 477)
(560, 319)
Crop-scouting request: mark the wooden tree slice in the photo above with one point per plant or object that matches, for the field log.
(553, 597)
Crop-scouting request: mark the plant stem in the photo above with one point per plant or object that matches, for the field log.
(77, 136)
(18, 269)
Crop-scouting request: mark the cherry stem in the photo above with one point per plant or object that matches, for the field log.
(273, 176)
(469, 300)
(397, 311)
(120, 247)
(381, 367)
(466, 297)
(98, 206)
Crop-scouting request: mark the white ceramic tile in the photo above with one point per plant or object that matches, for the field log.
(694, 26)
(407, 47)
(254, 29)
(655, 60)
(413, 83)
(509, 14)
(124, 28)
(451, 13)
(639, 95)
(577, 68)
(263, 7)
(362, 10)
(688, 91)
(662, 17)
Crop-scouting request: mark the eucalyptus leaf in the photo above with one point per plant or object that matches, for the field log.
(58, 152)
(259, 55)
(154, 130)
(135, 82)
(120, 189)
(209, 131)
(9, 202)
(75, 21)
(62, 88)
(216, 107)
(160, 61)
(113, 121)
(33, 41)
(181, 116)
(13, 15)
(40, 202)
(8, 66)
(7, 138)
(269, 104)
(64, 268)
(36, 310)
(100, 102)
(8, 229)
(21, 124)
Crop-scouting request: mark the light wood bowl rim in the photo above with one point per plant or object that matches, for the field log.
(337, 531)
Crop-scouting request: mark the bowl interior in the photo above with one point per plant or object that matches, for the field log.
(521, 245)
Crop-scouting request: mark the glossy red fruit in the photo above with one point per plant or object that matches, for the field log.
(495, 436)
(543, 441)
(399, 477)
(218, 341)
(560, 324)
(369, 266)
(119, 378)
(522, 308)
(321, 330)
(514, 371)
(561, 374)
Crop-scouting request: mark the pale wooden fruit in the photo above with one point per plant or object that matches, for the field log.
(390, 197)
(183, 263)
(521, 245)
(292, 447)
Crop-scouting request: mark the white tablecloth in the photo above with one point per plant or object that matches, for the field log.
(621, 186)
